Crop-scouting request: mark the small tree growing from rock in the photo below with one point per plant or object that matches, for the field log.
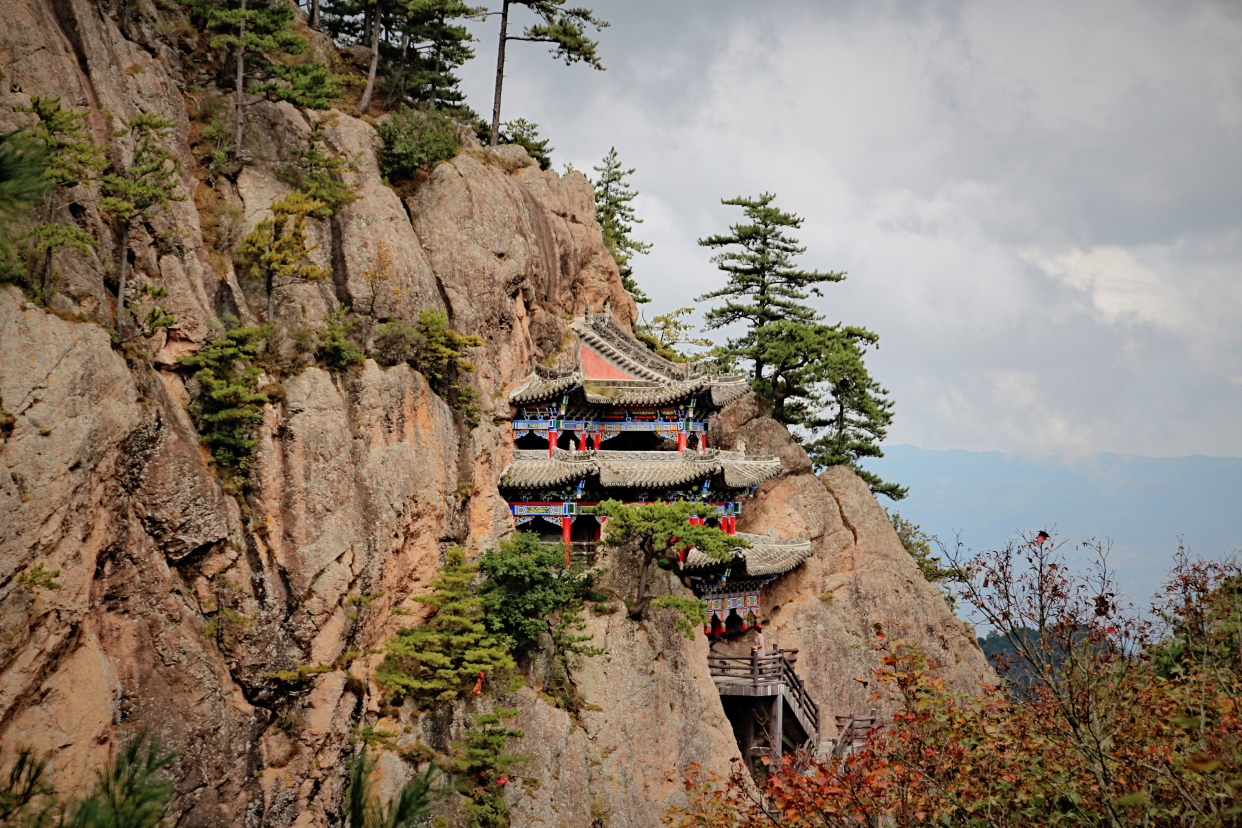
(69, 158)
(134, 193)
(453, 650)
(657, 530)
(275, 251)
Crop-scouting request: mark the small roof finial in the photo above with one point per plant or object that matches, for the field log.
(608, 308)
(588, 308)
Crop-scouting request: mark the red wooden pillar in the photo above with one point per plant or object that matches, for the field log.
(566, 523)
(681, 441)
(552, 437)
(598, 438)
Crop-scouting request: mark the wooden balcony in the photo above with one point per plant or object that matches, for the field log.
(769, 676)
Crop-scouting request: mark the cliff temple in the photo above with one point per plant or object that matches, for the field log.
(626, 424)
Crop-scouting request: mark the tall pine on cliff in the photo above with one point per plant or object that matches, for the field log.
(132, 193)
(813, 372)
(260, 42)
(275, 252)
(764, 287)
(616, 218)
(564, 28)
(70, 159)
(452, 651)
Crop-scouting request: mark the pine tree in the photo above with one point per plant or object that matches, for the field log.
(764, 286)
(21, 174)
(261, 39)
(439, 45)
(856, 415)
(70, 159)
(317, 171)
(21, 187)
(656, 530)
(452, 650)
(361, 808)
(275, 251)
(482, 767)
(616, 220)
(133, 193)
(525, 134)
(26, 796)
(564, 28)
(229, 403)
(129, 792)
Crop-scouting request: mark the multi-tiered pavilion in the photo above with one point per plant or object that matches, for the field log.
(625, 424)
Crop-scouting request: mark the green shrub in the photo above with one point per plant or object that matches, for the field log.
(526, 582)
(691, 614)
(397, 342)
(526, 135)
(335, 349)
(413, 139)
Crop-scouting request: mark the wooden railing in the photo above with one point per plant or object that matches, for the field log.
(853, 730)
(760, 670)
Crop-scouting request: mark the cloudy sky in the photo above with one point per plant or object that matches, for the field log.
(1039, 205)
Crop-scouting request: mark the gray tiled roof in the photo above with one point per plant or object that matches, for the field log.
(657, 380)
(766, 556)
(533, 469)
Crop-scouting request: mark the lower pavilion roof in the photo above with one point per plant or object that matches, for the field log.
(534, 469)
(767, 555)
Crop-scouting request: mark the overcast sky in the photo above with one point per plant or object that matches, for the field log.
(1039, 205)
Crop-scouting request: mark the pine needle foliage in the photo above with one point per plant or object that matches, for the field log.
(441, 659)
(26, 795)
(656, 531)
(413, 804)
(414, 139)
(276, 252)
(70, 158)
(563, 28)
(335, 350)
(21, 174)
(130, 792)
(616, 218)
(764, 286)
(316, 170)
(525, 134)
(229, 404)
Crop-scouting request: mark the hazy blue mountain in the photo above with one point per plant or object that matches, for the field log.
(1143, 504)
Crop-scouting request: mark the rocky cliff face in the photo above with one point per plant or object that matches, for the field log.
(177, 597)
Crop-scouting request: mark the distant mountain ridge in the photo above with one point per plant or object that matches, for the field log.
(1143, 504)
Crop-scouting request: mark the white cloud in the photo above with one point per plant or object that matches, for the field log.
(1025, 196)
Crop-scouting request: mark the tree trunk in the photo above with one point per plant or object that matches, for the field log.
(640, 603)
(314, 15)
(398, 87)
(241, 84)
(271, 297)
(500, 73)
(120, 284)
(46, 282)
(435, 69)
(365, 103)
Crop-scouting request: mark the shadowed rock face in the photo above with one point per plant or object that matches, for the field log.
(177, 598)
